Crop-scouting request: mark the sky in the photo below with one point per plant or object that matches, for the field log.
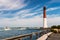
(28, 13)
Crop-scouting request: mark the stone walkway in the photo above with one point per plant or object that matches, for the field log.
(54, 36)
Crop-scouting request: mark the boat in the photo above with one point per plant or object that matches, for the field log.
(7, 28)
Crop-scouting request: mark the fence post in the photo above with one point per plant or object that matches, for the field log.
(20, 39)
(31, 37)
(36, 35)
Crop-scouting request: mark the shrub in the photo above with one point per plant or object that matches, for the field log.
(54, 31)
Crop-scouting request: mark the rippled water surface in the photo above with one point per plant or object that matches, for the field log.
(11, 33)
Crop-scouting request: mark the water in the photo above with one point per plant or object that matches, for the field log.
(10, 33)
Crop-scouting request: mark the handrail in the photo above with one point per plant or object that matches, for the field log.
(19, 37)
(26, 35)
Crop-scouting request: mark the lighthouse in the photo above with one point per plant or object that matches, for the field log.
(44, 18)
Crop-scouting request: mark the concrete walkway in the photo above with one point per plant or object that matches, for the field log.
(54, 36)
(45, 36)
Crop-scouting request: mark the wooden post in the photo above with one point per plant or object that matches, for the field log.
(31, 37)
(36, 35)
(20, 39)
(39, 34)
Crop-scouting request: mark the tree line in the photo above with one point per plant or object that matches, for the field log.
(55, 26)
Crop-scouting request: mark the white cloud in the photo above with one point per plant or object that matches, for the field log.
(51, 9)
(53, 1)
(15, 21)
(32, 22)
(54, 21)
(53, 15)
(21, 22)
(27, 12)
(21, 13)
(11, 4)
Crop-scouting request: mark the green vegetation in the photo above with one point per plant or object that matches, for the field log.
(55, 29)
(54, 26)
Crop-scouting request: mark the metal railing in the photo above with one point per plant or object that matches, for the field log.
(20, 37)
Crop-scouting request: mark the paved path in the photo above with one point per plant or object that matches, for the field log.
(54, 36)
(44, 37)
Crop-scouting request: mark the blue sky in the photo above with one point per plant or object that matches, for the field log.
(28, 13)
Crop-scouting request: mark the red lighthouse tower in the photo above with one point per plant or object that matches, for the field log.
(44, 17)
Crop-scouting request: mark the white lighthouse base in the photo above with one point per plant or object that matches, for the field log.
(45, 23)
